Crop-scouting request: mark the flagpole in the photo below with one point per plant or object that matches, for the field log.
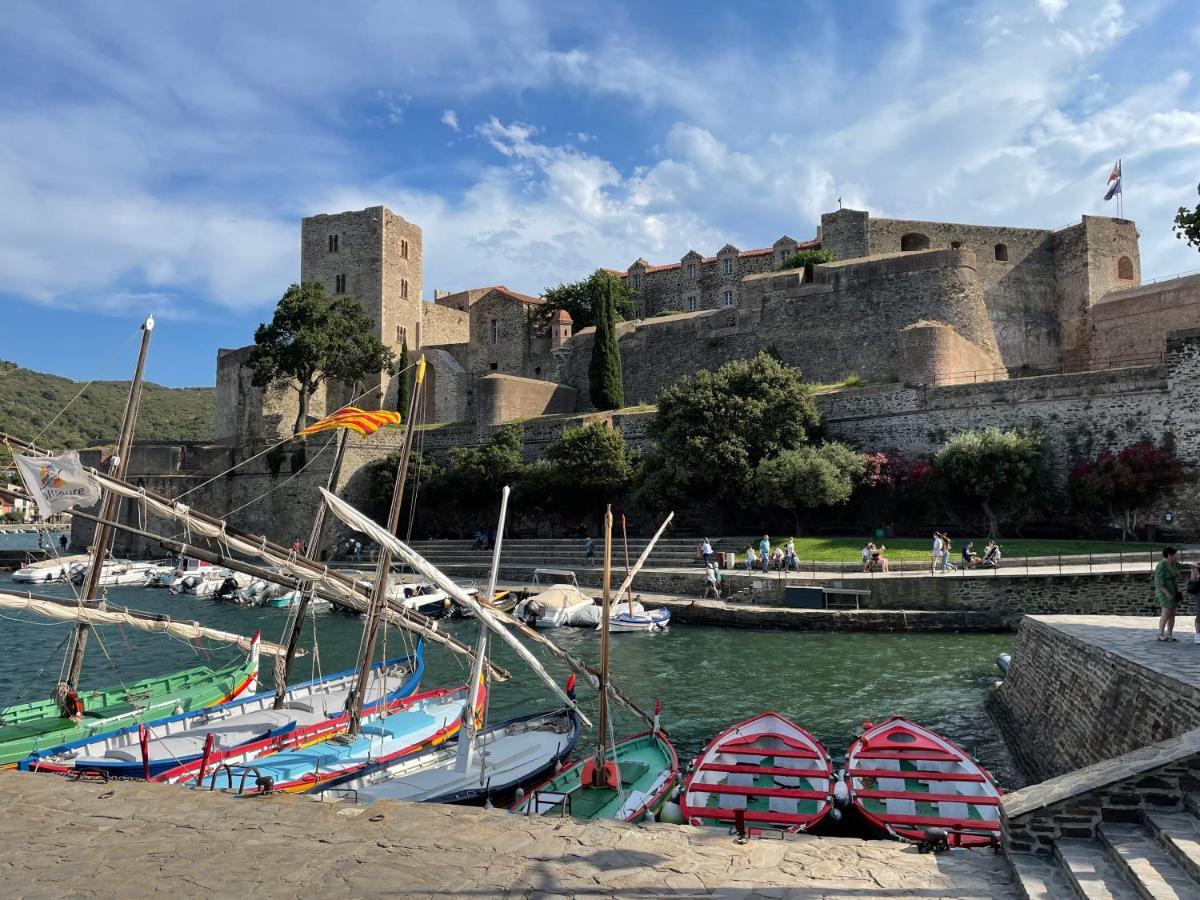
(1121, 185)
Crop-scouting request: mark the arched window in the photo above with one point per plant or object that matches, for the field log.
(1002, 252)
(1125, 268)
(914, 240)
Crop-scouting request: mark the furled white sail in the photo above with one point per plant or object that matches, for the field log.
(485, 614)
(67, 611)
(327, 584)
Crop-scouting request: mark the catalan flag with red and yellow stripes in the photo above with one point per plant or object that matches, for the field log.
(361, 421)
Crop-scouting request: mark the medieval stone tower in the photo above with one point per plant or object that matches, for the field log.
(373, 255)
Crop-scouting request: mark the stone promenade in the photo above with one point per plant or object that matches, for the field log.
(128, 839)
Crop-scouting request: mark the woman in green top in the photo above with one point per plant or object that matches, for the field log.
(1166, 592)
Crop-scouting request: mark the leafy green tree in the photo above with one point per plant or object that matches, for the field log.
(581, 298)
(312, 338)
(604, 369)
(804, 479)
(711, 431)
(424, 476)
(1005, 474)
(403, 380)
(806, 259)
(1123, 487)
(1187, 224)
(587, 467)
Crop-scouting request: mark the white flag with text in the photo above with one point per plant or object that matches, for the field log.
(57, 483)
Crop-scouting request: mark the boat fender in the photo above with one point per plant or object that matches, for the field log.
(519, 795)
(649, 818)
(69, 702)
(841, 794)
(671, 813)
(265, 783)
(835, 815)
(937, 840)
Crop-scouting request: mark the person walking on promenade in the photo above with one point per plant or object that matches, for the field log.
(790, 559)
(764, 552)
(936, 553)
(589, 550)
(296, 546)
(1166, 592)
(706, 551)
(866, 556)
(751, 559)
(62, 543)
(710, 583)
(357, 550)
(478, 545)
(947, 566)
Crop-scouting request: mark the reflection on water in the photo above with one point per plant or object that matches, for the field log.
(706, 677)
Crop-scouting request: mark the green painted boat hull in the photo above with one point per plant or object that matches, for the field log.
(28, 727)
(649, 769)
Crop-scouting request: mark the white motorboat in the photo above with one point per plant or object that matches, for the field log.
(635, 617)
(115, 572)
(558, 605)
(44, 571)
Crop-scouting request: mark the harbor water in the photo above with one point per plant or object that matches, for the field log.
(706, 677)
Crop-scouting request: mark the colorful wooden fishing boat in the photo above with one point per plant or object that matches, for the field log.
(310, 758)
(765, 772)
(29, 727)
(138, 750)
(646, 769)
(905, 779)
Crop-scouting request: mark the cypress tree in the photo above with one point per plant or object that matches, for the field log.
(402, 384)
(604, 370)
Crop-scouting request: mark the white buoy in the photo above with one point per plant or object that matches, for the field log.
(671, 813)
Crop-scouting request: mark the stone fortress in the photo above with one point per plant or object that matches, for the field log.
(921, 303)
(949, 327)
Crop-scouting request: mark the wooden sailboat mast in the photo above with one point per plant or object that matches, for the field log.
(625, 541)
(111, 502)
(470, 729)
(384, 566)
(310, 549)
(602, 719)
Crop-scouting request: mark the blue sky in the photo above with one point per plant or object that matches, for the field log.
(158, 156)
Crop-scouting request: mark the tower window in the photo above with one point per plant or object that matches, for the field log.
(727, 265)
(637, 282)
(537, 371)
(956, 245)
(401, 334)
(1125, 268)
(495, 331)
(728, 299)
(404, 249)
(333, 243)
(691, 271)
(494, 366)
(914, 241)
(1002, 252)
(403, 288)
(691, 304)
(339, 284)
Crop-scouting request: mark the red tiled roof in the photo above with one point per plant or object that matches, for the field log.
(763, 252)
(663, 268)
(814, 244)
(562, 317)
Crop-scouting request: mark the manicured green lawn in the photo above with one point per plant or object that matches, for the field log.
(844, 549)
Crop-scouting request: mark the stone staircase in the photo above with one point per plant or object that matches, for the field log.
(1158, 858)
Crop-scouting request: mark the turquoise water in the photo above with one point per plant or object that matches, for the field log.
(706, 677)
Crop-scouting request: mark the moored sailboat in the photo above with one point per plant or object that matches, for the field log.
(624, 780)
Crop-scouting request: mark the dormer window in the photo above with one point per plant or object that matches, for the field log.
(727, 266)
(637, 282)
(691, 271)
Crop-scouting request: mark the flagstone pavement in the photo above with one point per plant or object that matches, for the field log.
(65, 839)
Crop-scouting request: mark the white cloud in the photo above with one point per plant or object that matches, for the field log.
(1052, 8)
(450, 119)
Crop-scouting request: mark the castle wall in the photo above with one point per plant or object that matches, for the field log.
(1129, 326)
(931, 353)
(506, 398)
(444, 325)
(247, 414)
(502, 339)
(826, 328)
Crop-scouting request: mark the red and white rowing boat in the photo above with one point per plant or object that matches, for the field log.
(905, 778)
(765, 772)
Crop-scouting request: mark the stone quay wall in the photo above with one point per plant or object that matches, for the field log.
(1121, 789)
(1069, 703)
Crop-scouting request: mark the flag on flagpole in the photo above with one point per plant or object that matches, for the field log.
(57, 483)
(1114, 181)
(363, 422)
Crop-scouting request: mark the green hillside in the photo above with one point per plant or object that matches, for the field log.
(28, 400)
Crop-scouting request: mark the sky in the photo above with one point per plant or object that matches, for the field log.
(158, 157)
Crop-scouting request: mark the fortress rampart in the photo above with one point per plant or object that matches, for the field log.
(843, 322)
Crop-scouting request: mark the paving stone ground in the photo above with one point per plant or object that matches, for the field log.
(63, 839)
(1135, 638)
